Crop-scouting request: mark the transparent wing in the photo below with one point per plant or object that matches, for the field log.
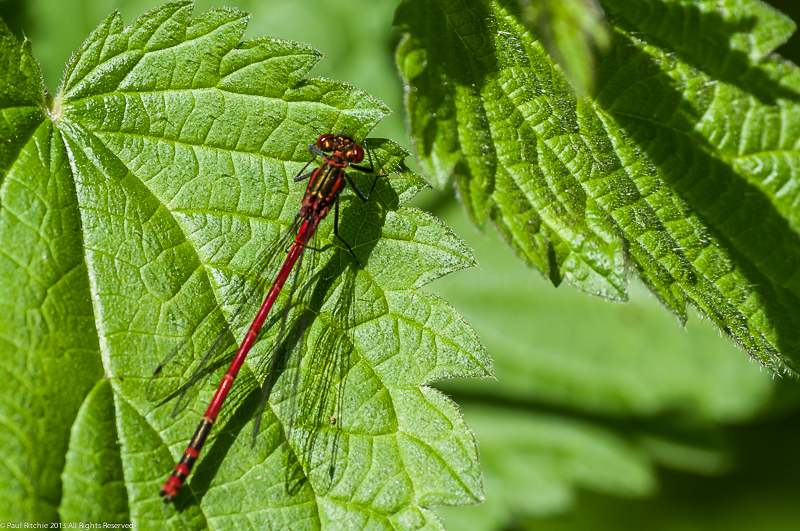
(317, 415)
(211, 340)
(288, 344)
(305, 372)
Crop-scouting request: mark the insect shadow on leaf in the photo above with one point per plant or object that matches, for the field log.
(307, 373)
(213, 335)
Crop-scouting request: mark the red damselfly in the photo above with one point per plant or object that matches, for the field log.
(326, 182)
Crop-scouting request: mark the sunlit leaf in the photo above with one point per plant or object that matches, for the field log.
(131, 208)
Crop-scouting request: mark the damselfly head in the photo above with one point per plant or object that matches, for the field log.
(342, 145)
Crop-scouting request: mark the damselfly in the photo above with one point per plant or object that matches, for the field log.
(326, 182)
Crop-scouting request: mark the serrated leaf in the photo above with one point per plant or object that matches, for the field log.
(21, 97)
(597, 408)
(572, 31)
(167, 166)
(621, 361)
(678, 167)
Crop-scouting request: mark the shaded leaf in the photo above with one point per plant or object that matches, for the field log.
(678, 167)
(535, 463)
(572, 32)
(580, 377)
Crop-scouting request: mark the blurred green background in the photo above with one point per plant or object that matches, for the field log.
(603, 415)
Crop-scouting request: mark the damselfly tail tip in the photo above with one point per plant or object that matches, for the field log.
(169, 490)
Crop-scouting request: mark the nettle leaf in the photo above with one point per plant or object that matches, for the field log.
(679, 166)
(131, 209)
(599, 409)
(571, 31)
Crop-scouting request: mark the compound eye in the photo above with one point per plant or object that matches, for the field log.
(324, 142)
(357, 154)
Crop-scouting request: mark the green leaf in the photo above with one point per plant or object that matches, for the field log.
(679, 167)
(592, 397)
(535, 462)
(571, 31)
(164, 168)
(564, 350)
(49, 342)
(21, 97)
(93, 481)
